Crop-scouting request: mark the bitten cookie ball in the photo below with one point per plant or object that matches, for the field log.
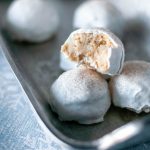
(131, 89)
(99, 13)
(32, 20)
(80, 95)
(96, 48)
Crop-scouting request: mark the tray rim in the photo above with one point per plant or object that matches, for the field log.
(61, 139)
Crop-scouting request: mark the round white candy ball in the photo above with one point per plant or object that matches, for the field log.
(80, 95)
(98, 13)
(32, 20)
(131, 89)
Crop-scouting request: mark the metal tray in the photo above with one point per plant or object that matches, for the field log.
(37, 66)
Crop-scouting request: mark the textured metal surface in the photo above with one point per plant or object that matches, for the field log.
(20, 126)
(38, 64)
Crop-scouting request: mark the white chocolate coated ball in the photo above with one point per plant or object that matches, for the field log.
(80, 95)
(96, 48)
(131, 89)
(98, 13)
(32, 20)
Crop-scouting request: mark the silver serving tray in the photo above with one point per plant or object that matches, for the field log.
(37, 66)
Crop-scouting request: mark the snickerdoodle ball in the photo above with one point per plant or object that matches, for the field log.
(96, 48)
(99, 13)
(32, 20)
(131, 89)
(80, 95)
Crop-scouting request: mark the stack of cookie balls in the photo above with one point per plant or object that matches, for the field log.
(92, 57)
(82, 93)
(98, 75)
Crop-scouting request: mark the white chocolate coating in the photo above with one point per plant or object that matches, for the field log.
(131, 89)
(97, 48)
(98, 13)
(65, 63)
(80, 95)
(32, 20)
